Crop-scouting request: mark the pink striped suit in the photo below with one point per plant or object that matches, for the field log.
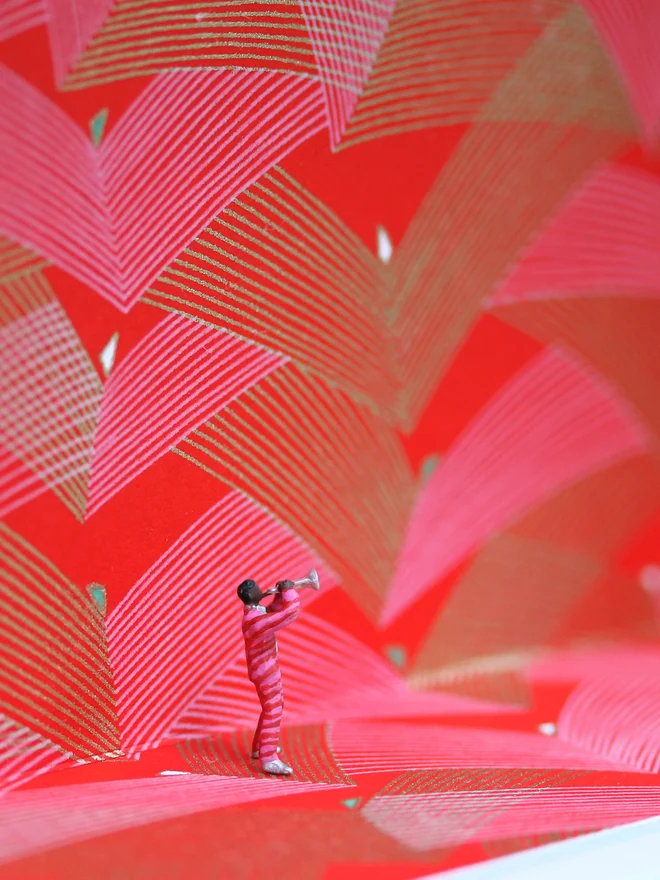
(259, 628)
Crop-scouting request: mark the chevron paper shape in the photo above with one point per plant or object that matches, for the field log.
(346, 37)
(50, 395)
(366, 746)
(118, 249)
(139, 41)
(64, 816)
(431, 820)
(324, 453)
(24, 754)
(631, 31)
(178, 376)
(71, 25)
(602, 243)
(499, 468)
(369, 286)
(165, 652)
(55, 663)
(329, 675)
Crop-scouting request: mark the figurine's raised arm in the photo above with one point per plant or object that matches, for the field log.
(283, 611)
(278, 603)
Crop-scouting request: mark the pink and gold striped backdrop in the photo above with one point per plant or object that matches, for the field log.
(366, 285)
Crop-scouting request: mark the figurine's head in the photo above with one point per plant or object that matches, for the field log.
(249, 593)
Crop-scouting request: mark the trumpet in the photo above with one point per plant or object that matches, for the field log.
(310, 581)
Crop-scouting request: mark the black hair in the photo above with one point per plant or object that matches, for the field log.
(249, 592)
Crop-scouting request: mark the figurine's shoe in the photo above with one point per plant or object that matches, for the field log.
(276, 767)
(256, 754)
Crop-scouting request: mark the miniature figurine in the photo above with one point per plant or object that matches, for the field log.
(259, 627)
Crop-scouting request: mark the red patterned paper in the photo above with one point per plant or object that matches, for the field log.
(370, 286)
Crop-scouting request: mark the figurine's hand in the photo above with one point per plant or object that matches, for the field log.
(284, 585)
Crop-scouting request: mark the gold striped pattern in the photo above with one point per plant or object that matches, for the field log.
(17, 261)
(514, 596)
(441, 63)
(432, 809)
(280, 269)
(386, 334)
(55, 673)
(618, 608)
(225, 755)
(600, 513)
(23, 295)
(487, 678)
(566, 77)
(330, 470)
(50, 391)
(345, 35)
(141, 39)
(24, 754)
(536, 575)
(469, 231)
(304, 748)
(435, 781)
(616, 335)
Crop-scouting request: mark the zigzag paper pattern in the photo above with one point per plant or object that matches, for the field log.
(139, 162)
(369, 286)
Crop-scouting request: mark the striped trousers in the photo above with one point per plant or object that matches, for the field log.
(271, 697)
